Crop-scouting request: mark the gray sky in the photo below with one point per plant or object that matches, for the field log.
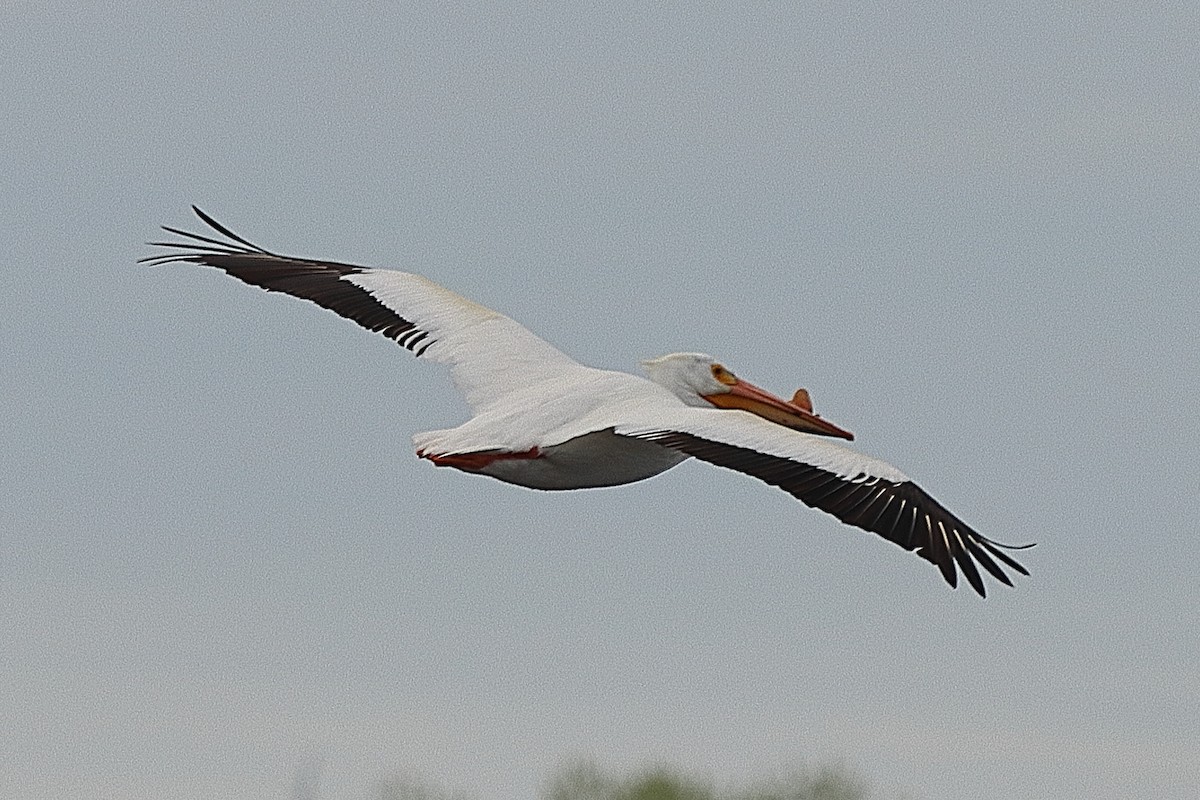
(971, 234)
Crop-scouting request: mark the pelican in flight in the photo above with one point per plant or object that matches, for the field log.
(545, 421)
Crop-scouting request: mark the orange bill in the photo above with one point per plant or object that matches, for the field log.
(794, 415)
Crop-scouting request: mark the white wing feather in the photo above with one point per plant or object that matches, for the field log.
(489, 354)
(745, 430)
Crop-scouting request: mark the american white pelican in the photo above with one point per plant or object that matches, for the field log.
(545, 421)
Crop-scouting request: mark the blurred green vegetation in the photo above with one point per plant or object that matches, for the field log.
(586, 781)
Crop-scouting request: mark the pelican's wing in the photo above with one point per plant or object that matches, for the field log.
(857, 489)
(486, 351)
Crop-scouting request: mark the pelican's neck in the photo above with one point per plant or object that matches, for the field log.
(678, 373)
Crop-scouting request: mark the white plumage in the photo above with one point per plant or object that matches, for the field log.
(545, 421)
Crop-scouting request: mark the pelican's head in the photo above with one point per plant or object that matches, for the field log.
(699, 380)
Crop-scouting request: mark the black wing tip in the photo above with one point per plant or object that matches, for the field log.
(893, 510)
(965, 548)
(978, 552)
(200, 249)
(212, 223)
(317, 281)
(197, 248)
(1012, 546)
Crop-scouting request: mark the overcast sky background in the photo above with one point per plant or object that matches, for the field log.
(970, 233)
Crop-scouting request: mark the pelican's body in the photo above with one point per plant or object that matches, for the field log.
(544, 421)
(588, 461)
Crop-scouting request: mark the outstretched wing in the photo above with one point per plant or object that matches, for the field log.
(857, 489)
(485, 350)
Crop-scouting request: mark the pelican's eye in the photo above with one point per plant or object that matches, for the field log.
(723, 375)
